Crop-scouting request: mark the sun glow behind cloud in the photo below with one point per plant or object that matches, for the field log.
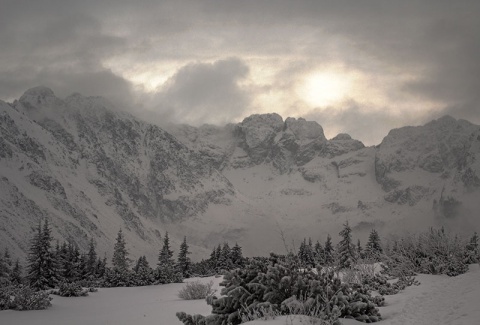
(325, 88)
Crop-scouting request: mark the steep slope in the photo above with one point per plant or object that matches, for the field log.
(265, 182)
(93, 170)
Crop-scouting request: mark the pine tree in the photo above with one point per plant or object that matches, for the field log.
(306, 254)
(91, 262)
(359, 250)
(472, 250)
(4, 273)
(224, 261)
(346, 250)
(42, 264)
(183, 261)
(143, 272)
(329, 251)
(213, 260)
(16, 274)
(373, 248)
(120, 254)
(165, 272)
(236, 256)
(319, 253)
(8, 260)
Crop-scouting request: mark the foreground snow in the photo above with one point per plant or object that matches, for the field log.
(438, 300)
(151, 305)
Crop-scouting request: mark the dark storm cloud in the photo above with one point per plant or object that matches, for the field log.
(60, 47)
(86, 46)
(205, 93)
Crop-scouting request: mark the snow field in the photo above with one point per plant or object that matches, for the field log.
(437, 300)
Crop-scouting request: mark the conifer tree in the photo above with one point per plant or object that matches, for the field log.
(328, 251)
(7, 260)
(165, 272)
(42, 264)
(120, 254)
(305, 253)
(183, 261)
(16, 274)
(91, 262)
(359, 249)
(472, 250)
(4, 273)
(236, 256)
(143, 272)
(225, 262)
(373, 248)
(346, 249)
(319, 253)
(212, 261)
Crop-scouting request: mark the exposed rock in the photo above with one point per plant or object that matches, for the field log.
(304, 130)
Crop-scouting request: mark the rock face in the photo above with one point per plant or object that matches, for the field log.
(92, 170)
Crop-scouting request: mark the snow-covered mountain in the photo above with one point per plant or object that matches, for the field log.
(93, 170)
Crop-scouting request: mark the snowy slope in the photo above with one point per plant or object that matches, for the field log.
(93, 170)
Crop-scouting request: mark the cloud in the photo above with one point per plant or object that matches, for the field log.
(107, 46)
(361, 122)
(205, 93)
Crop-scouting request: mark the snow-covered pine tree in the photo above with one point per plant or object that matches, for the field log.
(16, 274)
(305, 253)
(218, 254)
(183, 261)
(120, 253)
(101, 267)
(4, 272)
(225, 262)
(91, 262)
(359, 250)
(165, 272)
(472, 250)
(236, 256)
(143, 272)
(42, 264)
(319, 254)
(329, 251)
(373, 249)
(120, 274)
(7, 260)
(345, 249)
(213, 260)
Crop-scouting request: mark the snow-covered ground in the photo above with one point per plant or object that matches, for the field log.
(437, 300)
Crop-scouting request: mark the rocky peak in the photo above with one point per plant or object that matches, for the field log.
(38, 96)
(304, 130)
(342, 136)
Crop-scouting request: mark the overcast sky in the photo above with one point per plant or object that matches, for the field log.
(361, 67)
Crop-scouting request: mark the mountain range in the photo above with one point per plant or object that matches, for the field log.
(265, 183)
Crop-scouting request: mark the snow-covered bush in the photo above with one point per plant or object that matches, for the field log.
(275, 286)
(6, 297)
(261, 311)
(196, 290)
(25, 298)
(432, 252)
(379, 283)
(71, 290)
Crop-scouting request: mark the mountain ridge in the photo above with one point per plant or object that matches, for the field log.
(93, 170)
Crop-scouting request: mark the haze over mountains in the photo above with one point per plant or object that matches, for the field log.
(93, 170)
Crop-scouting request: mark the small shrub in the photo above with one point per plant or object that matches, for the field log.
(6, 297)
(71, 290)
(196, 290)
(263, 311)
(25, 298)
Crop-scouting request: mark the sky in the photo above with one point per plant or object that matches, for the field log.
(361, 67)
